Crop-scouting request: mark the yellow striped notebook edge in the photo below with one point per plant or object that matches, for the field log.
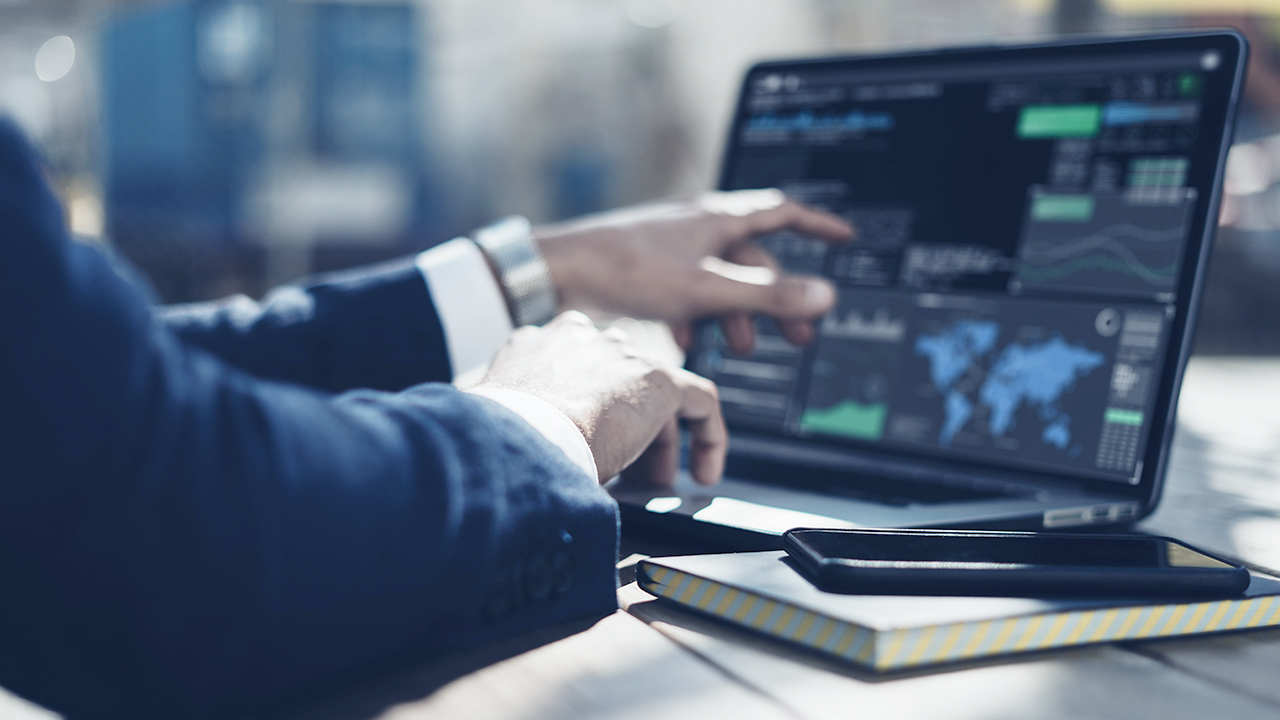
(773, 617)
(934, 644)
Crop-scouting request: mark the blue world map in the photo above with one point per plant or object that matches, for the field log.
(1036, 375)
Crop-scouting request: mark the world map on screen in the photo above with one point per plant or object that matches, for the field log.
(1032, 374)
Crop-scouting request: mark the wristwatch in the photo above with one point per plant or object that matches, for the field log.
(522, 271)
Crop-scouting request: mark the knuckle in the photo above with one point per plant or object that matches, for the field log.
(659, 376)
(573, 317)
(710, 388)
(616, 335)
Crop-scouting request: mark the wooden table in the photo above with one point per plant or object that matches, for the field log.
(652, 661)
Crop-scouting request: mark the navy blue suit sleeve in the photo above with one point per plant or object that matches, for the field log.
(368, 328)
(181, 538)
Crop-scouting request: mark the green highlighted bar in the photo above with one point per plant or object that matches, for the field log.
(847, 418)
(1163, 179)
(1174, 164)
(1123, 417)
(1062, 208)
(1059, 121)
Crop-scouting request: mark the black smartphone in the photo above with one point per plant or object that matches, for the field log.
(1017, 564)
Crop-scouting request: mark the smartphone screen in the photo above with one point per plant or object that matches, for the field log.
(1013, 549)
(940, 562)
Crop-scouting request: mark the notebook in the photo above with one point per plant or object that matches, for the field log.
(763, 592)
(1015, 315)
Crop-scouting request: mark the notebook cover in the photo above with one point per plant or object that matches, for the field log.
(763, 592)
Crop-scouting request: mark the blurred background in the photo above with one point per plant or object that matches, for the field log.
(228, 145)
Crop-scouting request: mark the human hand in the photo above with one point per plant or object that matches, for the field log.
(625, 404)
(680, 261)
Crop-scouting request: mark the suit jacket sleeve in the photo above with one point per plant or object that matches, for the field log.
(368, 328)
(179, 537)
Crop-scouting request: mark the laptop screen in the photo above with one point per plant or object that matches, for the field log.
(1031, 223)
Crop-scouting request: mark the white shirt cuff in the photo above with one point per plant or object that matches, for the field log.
(546, 419)
(470, 305)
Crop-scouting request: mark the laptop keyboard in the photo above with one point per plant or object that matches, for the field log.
(883, 487)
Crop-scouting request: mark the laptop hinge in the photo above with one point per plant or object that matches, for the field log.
(1092, 515)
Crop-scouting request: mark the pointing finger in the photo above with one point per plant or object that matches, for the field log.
(801, 218)
(729, 287)
(765, 211)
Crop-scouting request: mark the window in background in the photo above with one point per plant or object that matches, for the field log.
(230, 144)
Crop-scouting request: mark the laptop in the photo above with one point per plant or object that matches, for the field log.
(1015, 315)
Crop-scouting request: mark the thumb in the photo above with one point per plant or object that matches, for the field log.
(729, 287)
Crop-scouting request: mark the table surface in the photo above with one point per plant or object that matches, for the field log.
(651, 660)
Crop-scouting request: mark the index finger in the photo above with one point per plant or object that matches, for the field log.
(708, 436)
(793, 215)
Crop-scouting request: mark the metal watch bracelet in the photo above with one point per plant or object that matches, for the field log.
(522, 271)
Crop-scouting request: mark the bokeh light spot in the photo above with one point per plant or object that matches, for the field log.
(55, 58)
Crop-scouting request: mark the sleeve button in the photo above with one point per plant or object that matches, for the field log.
(538, 579)
(561, 573)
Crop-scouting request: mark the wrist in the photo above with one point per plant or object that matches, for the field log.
(547, 419)
(579, 260)
(555, 245)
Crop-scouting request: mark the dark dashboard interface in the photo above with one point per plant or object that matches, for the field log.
(1022, 238)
